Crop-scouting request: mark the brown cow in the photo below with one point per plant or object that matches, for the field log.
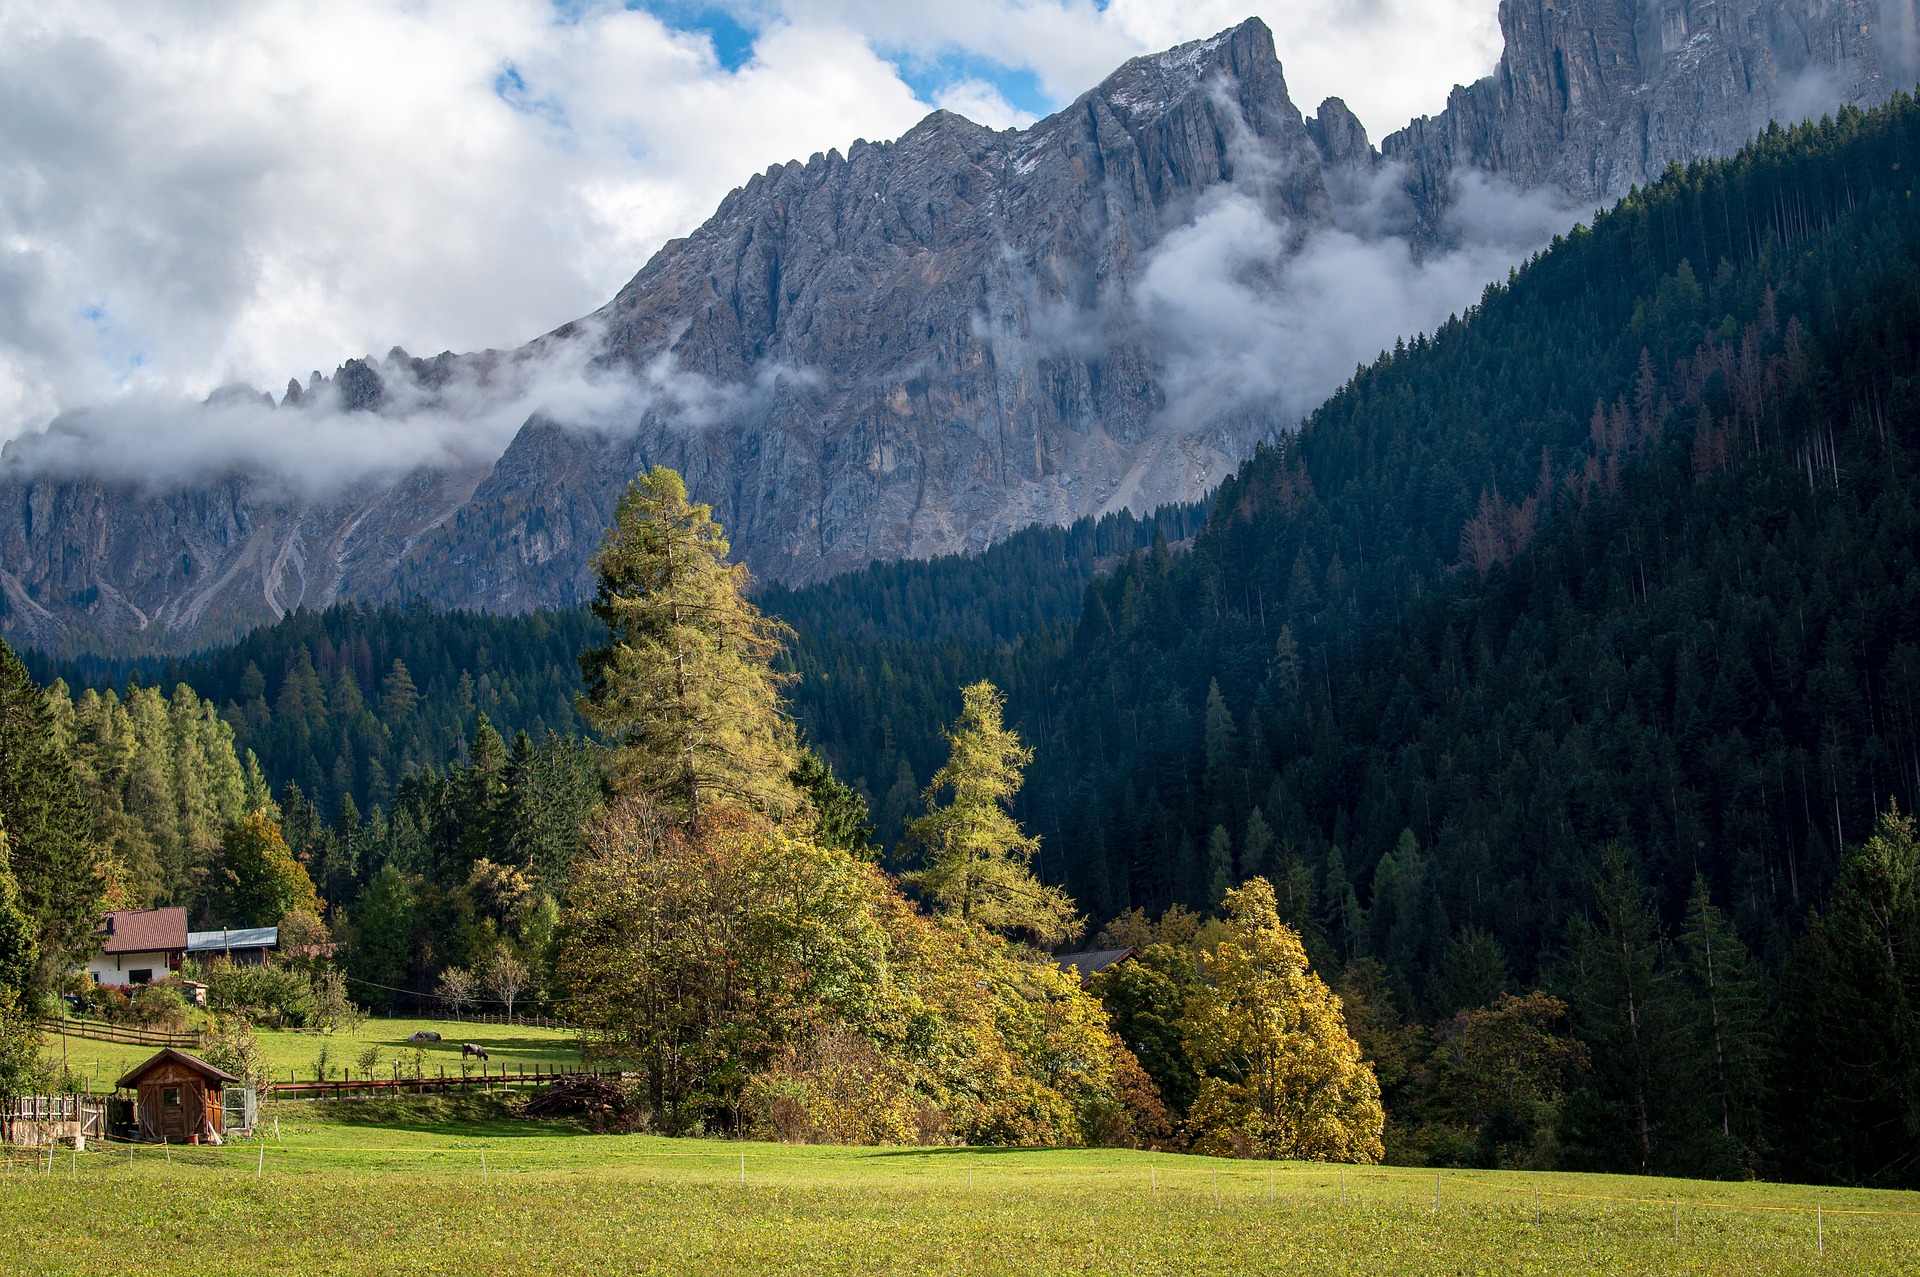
(468, 1048)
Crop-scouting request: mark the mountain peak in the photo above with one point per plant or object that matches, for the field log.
(1148, 86)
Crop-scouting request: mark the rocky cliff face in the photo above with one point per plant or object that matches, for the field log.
(1595, 96)
(918, 346)
(932, 338)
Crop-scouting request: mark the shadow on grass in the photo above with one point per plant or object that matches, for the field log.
(983, 1150)
(464, 1116)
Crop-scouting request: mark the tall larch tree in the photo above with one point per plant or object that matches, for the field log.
(685, 688)
(976, 860)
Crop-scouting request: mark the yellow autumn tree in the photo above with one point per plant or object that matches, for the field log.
(685, 686)
(976, 858)
(1280, 1074)
(256, 881)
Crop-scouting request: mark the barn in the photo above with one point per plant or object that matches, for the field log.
(180, 1098)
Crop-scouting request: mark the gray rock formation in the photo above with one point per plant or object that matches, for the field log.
(1593, 97)
(916, 347)
(936, 331)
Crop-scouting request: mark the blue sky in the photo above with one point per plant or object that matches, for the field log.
(929, 76)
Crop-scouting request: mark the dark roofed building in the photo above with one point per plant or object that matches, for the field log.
(1089, 965)
(139, 946)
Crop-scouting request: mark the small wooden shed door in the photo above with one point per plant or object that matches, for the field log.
(170, 1105)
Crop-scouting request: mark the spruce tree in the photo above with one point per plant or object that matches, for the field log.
(382, 946)
(839, 812)
(1730, 1033)
(685, 687)
(63, 874)
(18, 946)
(975, 855)
(1852, 1003)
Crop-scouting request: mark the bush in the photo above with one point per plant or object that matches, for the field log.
(147, 1006)
(278, 997)
(159, 1006)
(233, 1047)
(840, 1089)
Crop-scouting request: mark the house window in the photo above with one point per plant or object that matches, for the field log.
(142, 976)
(170, 1097)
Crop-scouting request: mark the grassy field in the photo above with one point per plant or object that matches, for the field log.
(387, 1188)
(512, 1045)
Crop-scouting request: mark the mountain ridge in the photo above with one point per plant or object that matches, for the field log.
(912, 348)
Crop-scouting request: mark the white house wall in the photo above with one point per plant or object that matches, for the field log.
(116, 968)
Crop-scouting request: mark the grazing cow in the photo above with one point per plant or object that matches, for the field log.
(468, 1048)
(424, 1035)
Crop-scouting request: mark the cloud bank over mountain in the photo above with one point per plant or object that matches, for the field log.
(198, 195)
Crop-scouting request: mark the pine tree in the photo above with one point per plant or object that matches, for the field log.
(840, 813)
(1624, 1005)
(685, 686)
(1852, 1004)
(383, 938)
(1221, 742)
(1219, 869)
(974, 854)
(1257, 849)
(1729, 1028)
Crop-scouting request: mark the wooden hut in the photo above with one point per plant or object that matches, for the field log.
(178, 1098)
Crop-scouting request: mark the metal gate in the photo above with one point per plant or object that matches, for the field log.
(239, 1108)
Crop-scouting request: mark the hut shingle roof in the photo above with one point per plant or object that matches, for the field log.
(193, 1062)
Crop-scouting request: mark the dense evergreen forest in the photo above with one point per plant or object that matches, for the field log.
(1561, 651)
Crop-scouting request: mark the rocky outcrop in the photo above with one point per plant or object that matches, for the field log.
(1592, 97)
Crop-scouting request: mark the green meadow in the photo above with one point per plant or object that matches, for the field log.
(515, 1046)
(462, 1187)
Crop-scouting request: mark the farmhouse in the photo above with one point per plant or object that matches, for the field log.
(181, 1098)
(141, 946)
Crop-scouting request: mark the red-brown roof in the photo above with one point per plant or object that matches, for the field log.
(193, 1062)
(144, 930)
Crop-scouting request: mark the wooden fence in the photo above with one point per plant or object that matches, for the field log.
(527, 1021)
(38, 1120)
(101, 1031)
(481, 1078)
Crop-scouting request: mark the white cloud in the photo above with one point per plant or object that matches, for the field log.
(1259, 316)
(1391, 60)
(191, 195)
(983, 104)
